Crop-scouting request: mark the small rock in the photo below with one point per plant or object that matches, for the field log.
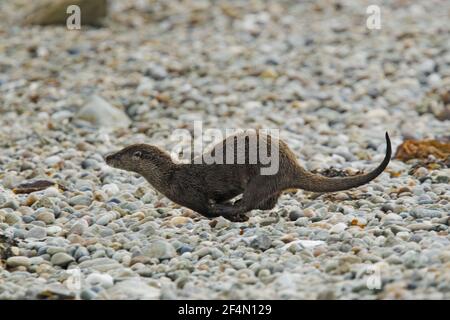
(88, 294)
(295, 214)
(46, 216)
(111, 189)
(287, 238)
(12, 218)
(130, 290)
(80, 253)
(309, 213)
(427, 66)
(180, 221)
(53, 230)
(185, 248)
(262, 242)
(36, 233)
(338, 228)
(30, 200)
(61, 259)
(18, 261)
(305, 243)
(54, 249)
(80, 200)
(56, 291)
(222, 223)
(79, 227)
(425, 213)
(403, 235)
(104, 219)
(421, 172)
(145, 87)
(101, 114)
(160, 249)
(156, 71)
(53, 160)
(425, 199)
(419, 226)
(43, 202)
(341, 196)
(103, 280)
(302, 222)
(11, 203)
(392, 216)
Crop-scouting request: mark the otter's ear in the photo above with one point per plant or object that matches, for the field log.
(137, 154)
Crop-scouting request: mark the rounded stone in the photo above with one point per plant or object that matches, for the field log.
(14, 262)
(160, 249)
(61, 259)
(295, 214)
(36, 233)
(180, 221)
(47, 217)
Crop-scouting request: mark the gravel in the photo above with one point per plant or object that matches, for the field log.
(312, 70)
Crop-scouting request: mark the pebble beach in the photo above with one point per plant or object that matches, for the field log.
(311, 69)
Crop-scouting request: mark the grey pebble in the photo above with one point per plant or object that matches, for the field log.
(36, 233)
(61, 259)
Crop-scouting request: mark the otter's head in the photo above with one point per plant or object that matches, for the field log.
(140, 158)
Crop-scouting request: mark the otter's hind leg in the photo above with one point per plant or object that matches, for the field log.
(255, 197)
(269, 203)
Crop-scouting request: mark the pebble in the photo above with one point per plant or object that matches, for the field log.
(392, 217)
(80, 200)
(419, 226)
(100, 113)
(403, 235)
(80, 253)
(425, 213)
(14, 262)
(43, 202)
(88, 294)
(36, 233)
(61, 259)
(111, 189)
(104, 219)
(180, 221)
(79, 227)
(262, 242)
(421, 172)
(295, 214)
(53, 230)
(12, 218)
(12, 204)
(160, 249)
(156, 71)
(222, 223)
(46, 216)
(53, 160)
(131, 289)
(103, 280)
(338, 228)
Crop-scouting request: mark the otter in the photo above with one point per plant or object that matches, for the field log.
(208, 188)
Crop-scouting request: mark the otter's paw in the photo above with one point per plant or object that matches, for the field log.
(229, 212)
(240, 217)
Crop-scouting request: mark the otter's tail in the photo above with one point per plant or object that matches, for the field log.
(318, 183)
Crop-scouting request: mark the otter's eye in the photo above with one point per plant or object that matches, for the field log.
(137, 154)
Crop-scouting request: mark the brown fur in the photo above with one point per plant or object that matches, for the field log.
(208, 188)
